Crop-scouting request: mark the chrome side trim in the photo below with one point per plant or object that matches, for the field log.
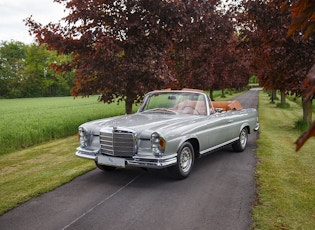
(219, 146)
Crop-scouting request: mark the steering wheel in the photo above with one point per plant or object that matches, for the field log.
(189, 106)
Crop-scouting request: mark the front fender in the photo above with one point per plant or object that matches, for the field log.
(245, 125)
(175, 144)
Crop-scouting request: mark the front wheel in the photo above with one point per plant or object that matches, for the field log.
(241, 143)
(185, 162)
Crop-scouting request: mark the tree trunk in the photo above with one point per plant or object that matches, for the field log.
(222, 94)
(273, 95)
(307, 110)
(283, 97)
(128, 104)
(211, 95)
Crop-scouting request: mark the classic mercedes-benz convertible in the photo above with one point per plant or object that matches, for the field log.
(170, 129)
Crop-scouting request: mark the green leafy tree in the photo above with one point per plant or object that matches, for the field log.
(34, 76)
(39, 78)
(27, 71)
(63, 82)
(12, 61)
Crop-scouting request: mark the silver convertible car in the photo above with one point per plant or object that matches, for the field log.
(170, 129)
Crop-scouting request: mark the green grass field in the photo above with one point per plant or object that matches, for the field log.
(30, 121)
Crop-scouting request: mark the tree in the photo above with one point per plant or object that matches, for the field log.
(12, 61)
(119, 47)
(281, 62)
(303, 18)
(25, 72)
(234, 71)
(34, 76)
(38, 77)
(207, 55)
(202, 33)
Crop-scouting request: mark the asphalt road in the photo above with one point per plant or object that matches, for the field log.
(218, 194)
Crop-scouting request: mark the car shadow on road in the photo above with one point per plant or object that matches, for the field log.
(156, 177)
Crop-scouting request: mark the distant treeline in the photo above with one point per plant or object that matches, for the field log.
(27, 71)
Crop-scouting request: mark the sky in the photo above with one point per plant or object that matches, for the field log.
(12, 13)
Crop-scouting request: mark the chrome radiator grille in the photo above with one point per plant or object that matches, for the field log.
(118, 142)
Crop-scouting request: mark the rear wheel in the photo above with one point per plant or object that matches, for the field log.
(185, 162)
(241, 143)
(105, 167)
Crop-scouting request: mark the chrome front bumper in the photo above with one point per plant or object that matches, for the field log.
(135, 161)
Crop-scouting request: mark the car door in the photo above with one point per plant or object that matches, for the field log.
(219, 133)
(235, 119)
(215, 128)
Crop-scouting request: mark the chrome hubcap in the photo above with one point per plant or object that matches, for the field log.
(243, 138)
(185, 160)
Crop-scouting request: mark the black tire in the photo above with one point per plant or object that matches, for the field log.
(241, 143)
(185, 162)
(105, 167)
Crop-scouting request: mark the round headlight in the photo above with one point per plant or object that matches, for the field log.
(157, 143)
(83, 136)
(155, 139)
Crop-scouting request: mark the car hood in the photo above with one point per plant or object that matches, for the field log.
(144, 123)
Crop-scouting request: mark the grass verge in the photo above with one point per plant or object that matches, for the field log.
(285, 179)
(28, 173)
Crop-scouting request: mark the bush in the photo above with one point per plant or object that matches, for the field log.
(301, 125)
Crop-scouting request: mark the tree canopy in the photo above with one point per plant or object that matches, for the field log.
(25, 72)
(303, 19)
(281, 62)
(12, 55)
(122, 49)
(118, 47)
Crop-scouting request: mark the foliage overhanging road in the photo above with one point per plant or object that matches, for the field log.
(217, 195)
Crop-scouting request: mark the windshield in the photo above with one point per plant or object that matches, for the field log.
(175, 102)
